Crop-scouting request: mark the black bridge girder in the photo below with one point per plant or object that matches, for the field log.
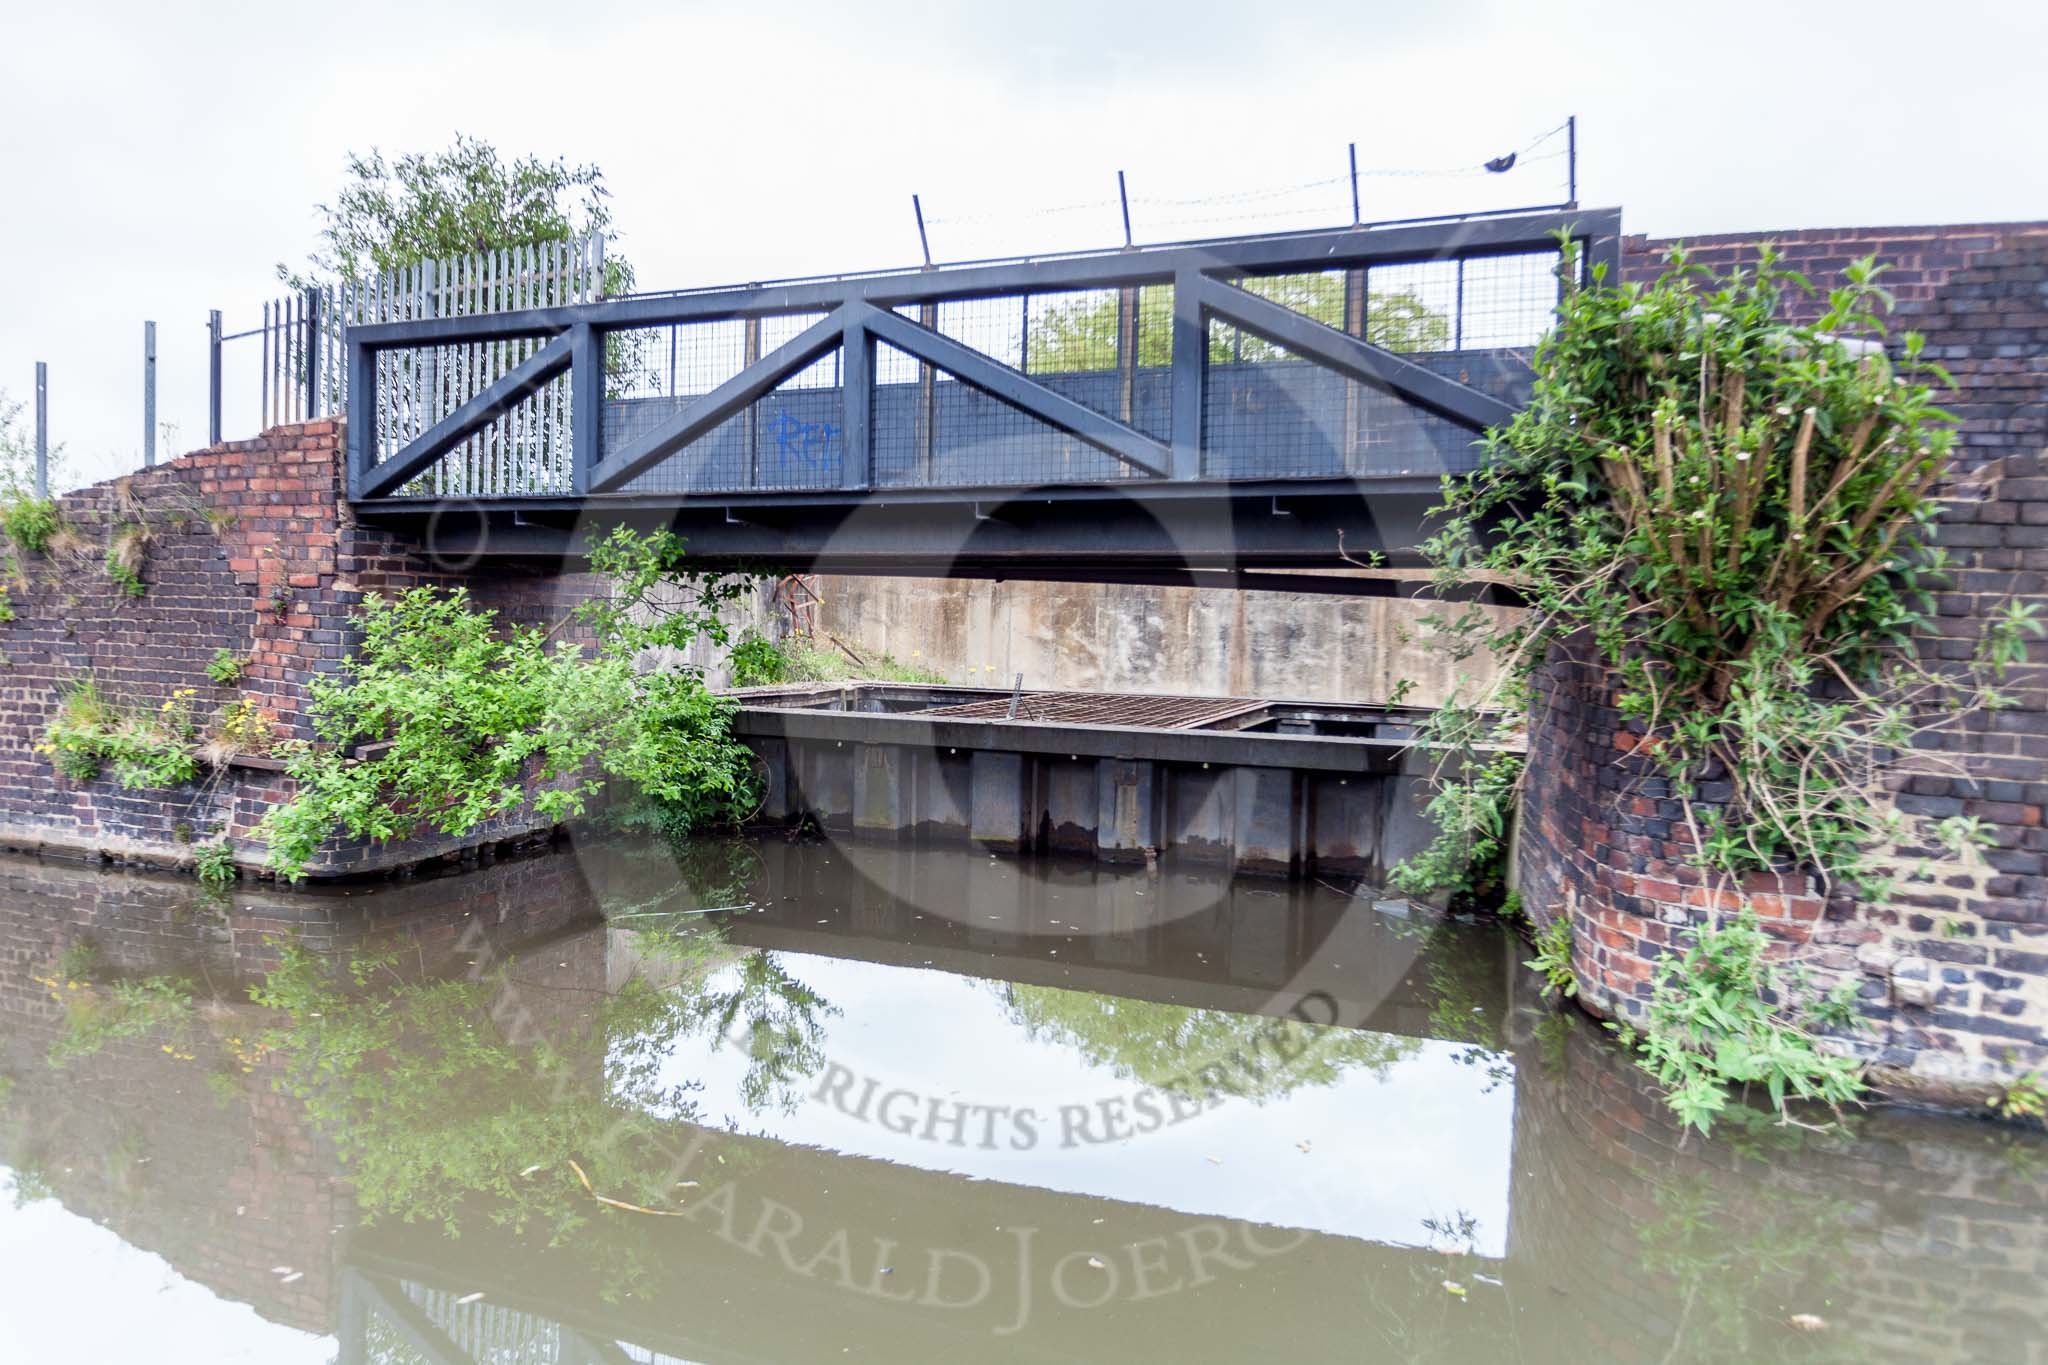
(1176, 532)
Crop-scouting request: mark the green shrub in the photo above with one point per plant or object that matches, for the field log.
(1472, 818)
(1730, 514)
(477, 720)
(29, 522)
(758, 662)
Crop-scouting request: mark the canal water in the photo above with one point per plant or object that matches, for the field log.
(818, 1102)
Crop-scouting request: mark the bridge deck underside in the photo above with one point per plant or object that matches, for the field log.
(1208, 534)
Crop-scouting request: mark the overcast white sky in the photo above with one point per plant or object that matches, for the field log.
(158, 160)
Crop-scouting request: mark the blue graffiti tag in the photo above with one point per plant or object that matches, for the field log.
(804, 442)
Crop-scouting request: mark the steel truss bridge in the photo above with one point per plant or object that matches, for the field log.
(1205, 412)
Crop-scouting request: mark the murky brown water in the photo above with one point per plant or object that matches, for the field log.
(911, 1106)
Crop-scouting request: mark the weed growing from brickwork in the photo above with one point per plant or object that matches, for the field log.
(90, 734)
(1720, 1014)
(127, 553)
(214, 864)
(1553, 960)
(241, 727)
(226, 667)
(2025, 1098)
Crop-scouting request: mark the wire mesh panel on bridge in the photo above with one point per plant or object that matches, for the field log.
(794, 437)
(1085, 345)
(1271, 413)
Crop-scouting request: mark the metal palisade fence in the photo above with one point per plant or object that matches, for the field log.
(304, 374)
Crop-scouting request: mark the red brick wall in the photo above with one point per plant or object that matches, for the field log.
(271, 574)
(1953, 978)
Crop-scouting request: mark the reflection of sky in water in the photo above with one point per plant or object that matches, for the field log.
(73, 1290)
(1427, 1142)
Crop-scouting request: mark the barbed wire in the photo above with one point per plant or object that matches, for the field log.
(1524, 156)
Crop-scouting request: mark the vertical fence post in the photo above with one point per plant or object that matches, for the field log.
(924, 243)
(148, 395)
(1190, 370)
(857, 349)
(430, 307)
(750, 352)
(312, 319)
(927, 399)
(213, 377)
(1571, 161)
(1356, 216)
(1458, 312)
(263, 375)
(1126, 352)
(586, 403)
(42, 429)
(1354, 323)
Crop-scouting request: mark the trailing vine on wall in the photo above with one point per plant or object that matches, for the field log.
(1730, 515)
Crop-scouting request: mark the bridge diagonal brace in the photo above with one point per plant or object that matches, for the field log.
(1016, 388)
(708, 410)
(1360, 360)
(517, 385)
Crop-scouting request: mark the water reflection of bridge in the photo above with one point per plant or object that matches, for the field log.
(899, 1264)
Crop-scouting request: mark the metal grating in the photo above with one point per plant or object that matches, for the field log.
(1100, 708)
